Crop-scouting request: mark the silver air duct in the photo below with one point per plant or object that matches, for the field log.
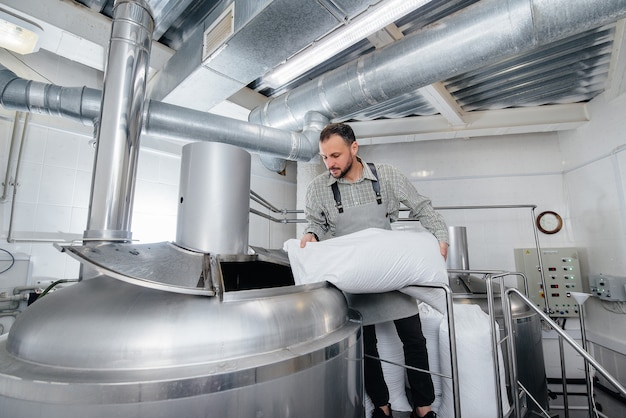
(482, 34)
(81, 104)
(117, 138)
(499, 29)
(160, 119)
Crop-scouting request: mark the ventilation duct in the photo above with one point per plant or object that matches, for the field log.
(481, 34)
(208, 66)
(428, 56)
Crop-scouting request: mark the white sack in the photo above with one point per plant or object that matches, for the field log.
(390, 349)
(431, 322)
(373, 261)
(475, 365)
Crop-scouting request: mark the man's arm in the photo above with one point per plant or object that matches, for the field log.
(422, 210)
(317, 224)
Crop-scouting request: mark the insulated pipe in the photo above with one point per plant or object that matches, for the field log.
(121, 114)
(172, 121)
(83, 104)
(482, 34)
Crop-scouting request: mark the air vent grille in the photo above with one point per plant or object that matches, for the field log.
(216, 35)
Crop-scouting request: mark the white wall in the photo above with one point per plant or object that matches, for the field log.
(490, 171)
(595, 177)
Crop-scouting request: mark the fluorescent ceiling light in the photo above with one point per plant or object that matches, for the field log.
(375, 19)
(18, 35)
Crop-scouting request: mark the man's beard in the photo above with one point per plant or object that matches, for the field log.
(343, 172)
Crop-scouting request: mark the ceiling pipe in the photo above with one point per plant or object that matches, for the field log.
(177, 122)
(482, 34)
(82, 104)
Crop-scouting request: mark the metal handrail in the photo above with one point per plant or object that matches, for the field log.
(562, 334)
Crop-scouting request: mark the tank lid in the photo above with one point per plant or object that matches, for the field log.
(104, 323)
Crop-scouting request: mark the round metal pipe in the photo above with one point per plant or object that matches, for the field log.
(81, 104)
(484, 33)
(161, 119)
(123, 98)
(177, 122)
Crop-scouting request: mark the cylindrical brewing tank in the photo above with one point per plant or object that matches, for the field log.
(212, 217)
(526, 323)
(105, 348)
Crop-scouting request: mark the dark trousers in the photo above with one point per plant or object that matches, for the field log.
(415, 355)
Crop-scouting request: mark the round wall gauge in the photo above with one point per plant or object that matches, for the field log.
(549, 222)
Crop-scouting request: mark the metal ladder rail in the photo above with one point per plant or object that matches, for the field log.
(562, 334)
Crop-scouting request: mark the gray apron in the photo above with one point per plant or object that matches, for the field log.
(374, 307)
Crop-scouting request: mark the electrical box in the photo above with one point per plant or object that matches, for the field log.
(611, 288)
(562, 276)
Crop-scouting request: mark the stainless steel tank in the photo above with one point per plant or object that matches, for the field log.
(204, 327)
(468, 288)
(105, 348)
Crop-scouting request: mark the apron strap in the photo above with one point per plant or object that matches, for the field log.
(337, 197)
(375, 186)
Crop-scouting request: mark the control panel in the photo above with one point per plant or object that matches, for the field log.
(612, 288)
(562, 276)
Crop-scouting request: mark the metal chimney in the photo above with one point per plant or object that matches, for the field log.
(119, 128)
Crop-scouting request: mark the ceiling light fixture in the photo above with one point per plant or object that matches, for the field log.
(375, 19)
(18, 35)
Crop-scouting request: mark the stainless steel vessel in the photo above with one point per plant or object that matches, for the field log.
(104, 348)
(205, 327)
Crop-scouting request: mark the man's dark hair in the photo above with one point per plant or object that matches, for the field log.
(341, 129)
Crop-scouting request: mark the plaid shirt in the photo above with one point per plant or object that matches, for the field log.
(395, 188)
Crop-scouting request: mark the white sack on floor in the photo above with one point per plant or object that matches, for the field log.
(390, 348)
(475, 365)
(431, 323)
(372, 261)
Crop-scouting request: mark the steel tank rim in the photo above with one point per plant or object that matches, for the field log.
(106, 324)
(39, 383)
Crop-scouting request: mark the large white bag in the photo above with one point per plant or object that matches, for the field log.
(373, 261)
(477, 384)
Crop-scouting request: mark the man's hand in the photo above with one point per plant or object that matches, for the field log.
(443, 249)
(309, 237)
